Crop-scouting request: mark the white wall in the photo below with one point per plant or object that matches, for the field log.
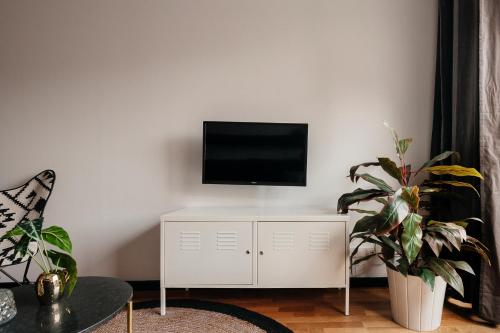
(112, 94)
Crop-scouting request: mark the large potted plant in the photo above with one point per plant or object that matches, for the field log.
(59, 272)
(409, 239)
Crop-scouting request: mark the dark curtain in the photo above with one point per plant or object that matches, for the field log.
(489, 138)
(456, 121)
(456, 110)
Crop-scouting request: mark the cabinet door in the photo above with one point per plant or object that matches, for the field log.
(301, 254)
(208, 253)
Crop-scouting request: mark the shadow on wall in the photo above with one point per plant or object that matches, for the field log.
(139, 258)
(185, 158)
(185, 163)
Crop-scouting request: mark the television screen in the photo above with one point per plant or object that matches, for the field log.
(254, 153)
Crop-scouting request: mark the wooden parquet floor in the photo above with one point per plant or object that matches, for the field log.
(321, 311)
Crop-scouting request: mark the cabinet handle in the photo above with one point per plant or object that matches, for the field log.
(248, 252)
(261, 253)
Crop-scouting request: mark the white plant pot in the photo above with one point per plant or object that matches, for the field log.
(413, 304)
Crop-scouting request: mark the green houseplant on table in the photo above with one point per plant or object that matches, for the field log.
(410, 241)
(59, 272)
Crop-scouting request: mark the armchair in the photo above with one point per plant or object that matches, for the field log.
(24, 202)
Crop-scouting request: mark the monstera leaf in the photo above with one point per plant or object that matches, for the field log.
(65, 261)
(49, 260)
(59, 237)
(31, 228)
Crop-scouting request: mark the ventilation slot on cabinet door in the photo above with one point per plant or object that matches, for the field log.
(283, 241)
(227, 240)
(319, 241)
(190, 241)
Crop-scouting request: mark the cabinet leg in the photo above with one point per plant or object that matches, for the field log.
(346, 301)
(162, 301)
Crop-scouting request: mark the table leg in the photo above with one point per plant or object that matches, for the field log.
(162, 300)
(129, 316)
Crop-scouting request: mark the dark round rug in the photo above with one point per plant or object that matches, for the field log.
(193, 316)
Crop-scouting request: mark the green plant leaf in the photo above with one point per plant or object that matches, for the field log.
(65, 261)
(410, 195)
(431, 190)
(383, 201)
(366, 239)
(428, 277)
(375, 181)
(391, 244)
(400, 145)
(434, 242)
(447, 272)
(14, 232)
(455, 229)
(453, 183)
(476, 246)
(21, 246)
(463, 224)
(367, 257)
(366, 223)
(455, 170)
(389, 263)
(453, 236)
(403, 145)
(462, 265)
(355, 168)
(391, 168)
(481, 252)
(412, 236)
(392, 215)
(437, 158)
(404, 266)
(357, 195)
(32, 228)
(476, 219)
(57, 236)
(388, 252)
(356, 249)
(408, 172)
(363, 211)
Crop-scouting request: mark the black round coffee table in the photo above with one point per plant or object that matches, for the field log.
(94, 301)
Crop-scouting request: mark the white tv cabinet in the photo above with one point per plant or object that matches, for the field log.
(242, 247)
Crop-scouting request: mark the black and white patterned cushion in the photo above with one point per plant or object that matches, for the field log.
(24, 202)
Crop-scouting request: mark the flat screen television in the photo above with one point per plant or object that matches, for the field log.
(248, 153)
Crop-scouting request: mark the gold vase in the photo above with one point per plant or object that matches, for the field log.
(49, 288)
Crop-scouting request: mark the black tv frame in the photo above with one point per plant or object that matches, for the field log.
(224, 182)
